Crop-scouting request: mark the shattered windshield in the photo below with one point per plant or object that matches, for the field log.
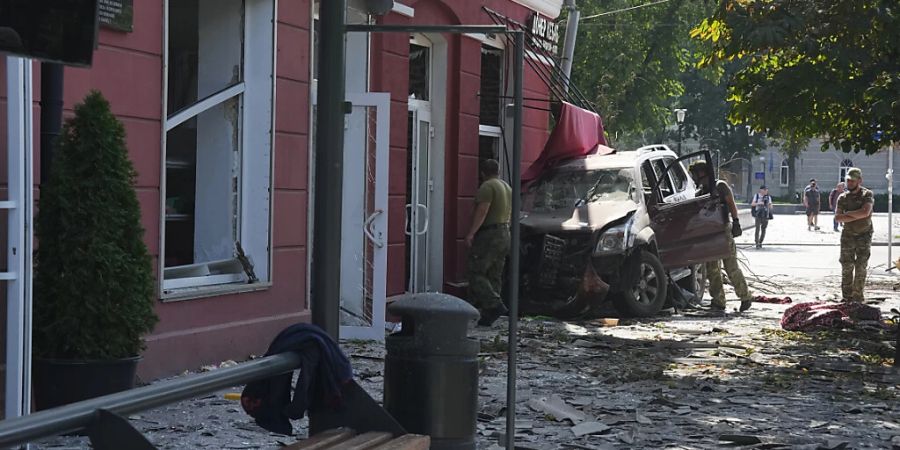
(568, 189)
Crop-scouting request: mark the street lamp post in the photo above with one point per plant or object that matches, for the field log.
(762, 159)
(679, 118)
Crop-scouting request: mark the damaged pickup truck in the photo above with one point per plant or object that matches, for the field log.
(626, 227)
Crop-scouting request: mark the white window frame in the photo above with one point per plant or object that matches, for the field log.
(495, 131)
(846, 164)
(423, 41)
(256, 93)
(784, 174)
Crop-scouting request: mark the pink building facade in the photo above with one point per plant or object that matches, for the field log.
(218, 101)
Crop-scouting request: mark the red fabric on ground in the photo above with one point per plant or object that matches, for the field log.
(578, 132)
(819, 315)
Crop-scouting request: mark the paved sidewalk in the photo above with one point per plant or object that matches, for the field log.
(787, 229)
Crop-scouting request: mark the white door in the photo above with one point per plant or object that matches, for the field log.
(365, 219)
(420, 186)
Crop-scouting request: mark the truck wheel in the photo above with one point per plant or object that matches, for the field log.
(648, 294)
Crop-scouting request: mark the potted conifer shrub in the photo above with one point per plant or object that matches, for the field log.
(93, 285)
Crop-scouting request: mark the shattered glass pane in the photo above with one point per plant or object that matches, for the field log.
(357, 303)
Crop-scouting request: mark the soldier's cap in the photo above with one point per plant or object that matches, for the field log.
(854, 174)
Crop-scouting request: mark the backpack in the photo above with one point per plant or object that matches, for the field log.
(761, 211)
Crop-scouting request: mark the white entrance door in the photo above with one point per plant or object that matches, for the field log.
(420, 187)
(365, 219)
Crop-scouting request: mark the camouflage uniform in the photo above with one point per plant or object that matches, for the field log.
(735, 275)
(856, 244)
(730, 263)
(490, 246)
(487, 258)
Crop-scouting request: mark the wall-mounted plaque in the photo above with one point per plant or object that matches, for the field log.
(116, 14)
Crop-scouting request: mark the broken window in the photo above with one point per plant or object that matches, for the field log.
(216, 227)
(665, 186)
(419, 70)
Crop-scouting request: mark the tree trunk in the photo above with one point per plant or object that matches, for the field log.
(749, 181)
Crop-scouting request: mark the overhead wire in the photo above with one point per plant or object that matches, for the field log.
(630, 8)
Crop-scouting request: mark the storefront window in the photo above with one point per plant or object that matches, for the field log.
(216, 227)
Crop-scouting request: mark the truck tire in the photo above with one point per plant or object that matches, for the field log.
(647, 295)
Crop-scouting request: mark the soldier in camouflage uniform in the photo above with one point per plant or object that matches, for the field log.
(854, 210)
(488, 242)
(700, 174)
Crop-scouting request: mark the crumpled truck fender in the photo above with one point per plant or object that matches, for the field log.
(646, 237)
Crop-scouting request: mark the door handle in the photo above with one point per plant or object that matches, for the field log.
(424, 228)
(367, 229)
(406, 227)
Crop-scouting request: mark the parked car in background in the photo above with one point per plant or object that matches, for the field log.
(623, 227)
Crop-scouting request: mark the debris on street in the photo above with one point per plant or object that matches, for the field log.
(677, 381)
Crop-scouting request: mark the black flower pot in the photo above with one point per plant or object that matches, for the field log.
(59, 382)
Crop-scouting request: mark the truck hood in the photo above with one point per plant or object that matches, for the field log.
(591, 217)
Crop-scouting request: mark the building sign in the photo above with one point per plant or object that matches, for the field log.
(544, 33)
(760, 175)
(117, 14)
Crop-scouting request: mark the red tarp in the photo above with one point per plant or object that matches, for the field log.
(578, 132)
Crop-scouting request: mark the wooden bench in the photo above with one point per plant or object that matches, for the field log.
(347, 439)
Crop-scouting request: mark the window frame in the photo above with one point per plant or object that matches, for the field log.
(784, 175)
(845, 165)
(497, 132)
(260, 26)
(422, 40)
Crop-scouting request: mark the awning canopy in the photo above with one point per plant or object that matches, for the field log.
(578, 132)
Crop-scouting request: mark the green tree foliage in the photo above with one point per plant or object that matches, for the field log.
(707, 119)
(94, 295)
(792, 146)
(825, 68)
(629, 63)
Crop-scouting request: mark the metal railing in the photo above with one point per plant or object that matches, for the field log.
(79, 416)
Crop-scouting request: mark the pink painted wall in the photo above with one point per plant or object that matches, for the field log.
(390, 74)
(128, 70)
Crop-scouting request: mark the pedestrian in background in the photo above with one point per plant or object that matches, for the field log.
(811, 201)
(854, 210)
(761, 207)
(832, 202)
(488, 242)
(700, 174)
